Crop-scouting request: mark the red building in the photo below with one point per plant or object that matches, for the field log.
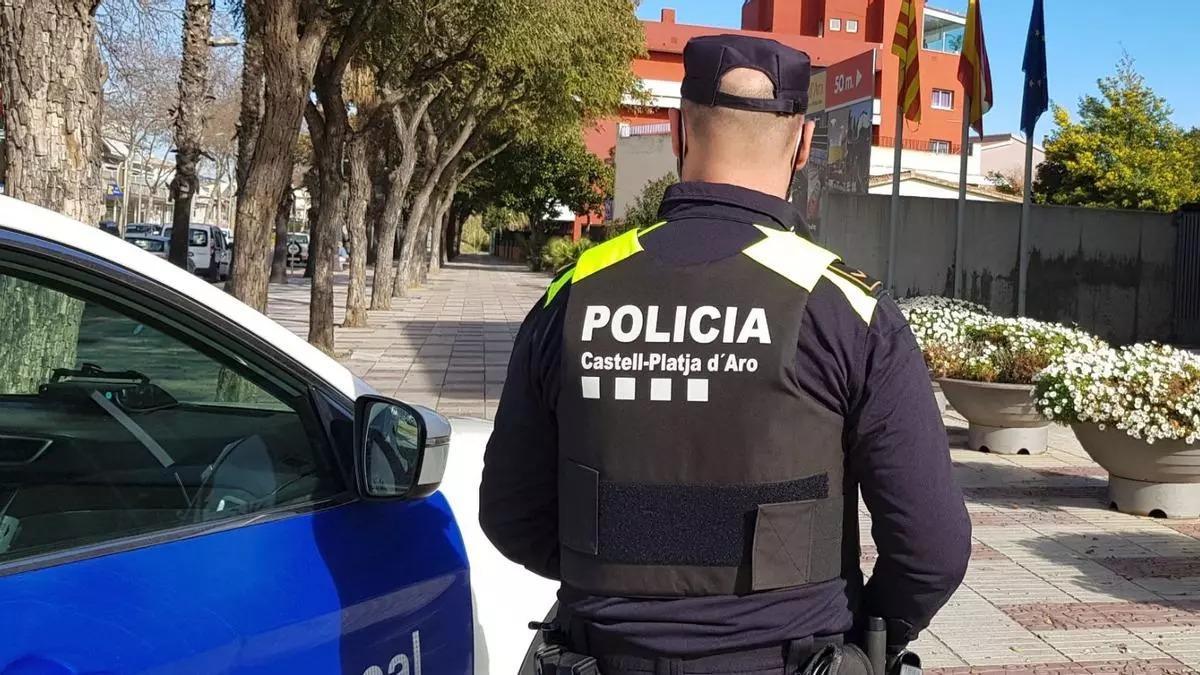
(829, 31)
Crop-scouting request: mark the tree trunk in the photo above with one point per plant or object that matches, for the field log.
(252, 90)
(426, 252)
(279, 255)
(50, 77)
(414, 236)
(399, 179)
(189, 124)
(385, 244)
(291, 44)
(328, 129)
(356, 216)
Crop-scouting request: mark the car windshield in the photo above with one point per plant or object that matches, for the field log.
(139, 228)
(152, 245)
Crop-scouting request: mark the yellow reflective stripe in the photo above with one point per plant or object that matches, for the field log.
(791, 256)
(605, 255)
(648, 230)
(561, 280)
(595, 259)
(863, 304)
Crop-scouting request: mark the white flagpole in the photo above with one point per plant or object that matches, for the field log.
(893, 222)
(964, 149)
(1023, 233)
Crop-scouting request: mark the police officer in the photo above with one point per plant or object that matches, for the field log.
(692, 409)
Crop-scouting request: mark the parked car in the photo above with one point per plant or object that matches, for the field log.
(199, 490)
(297, 248)
(143, 229)
(160, 247)
(110, 227)
(208, 249)
(228, 232)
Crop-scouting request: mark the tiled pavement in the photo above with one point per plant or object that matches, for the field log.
(1057, 582)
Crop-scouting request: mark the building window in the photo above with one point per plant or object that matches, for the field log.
(943, 31)
(851, 26)
(942, 100)
(835, 24)
(939, 147)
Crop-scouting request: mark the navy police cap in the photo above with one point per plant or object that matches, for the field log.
(707, 59)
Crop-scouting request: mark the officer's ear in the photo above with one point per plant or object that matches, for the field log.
(806, 137)
(676, 127)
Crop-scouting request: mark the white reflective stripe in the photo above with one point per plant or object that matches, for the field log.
(862, 303)
(791, 256)
(591, 387)
(660, 389)
(136, 431)
(697, 390)
(625, 389)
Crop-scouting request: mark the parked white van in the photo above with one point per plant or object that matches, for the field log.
(208, 250)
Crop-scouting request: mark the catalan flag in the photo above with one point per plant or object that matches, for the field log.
(907, 45)
(973, 70)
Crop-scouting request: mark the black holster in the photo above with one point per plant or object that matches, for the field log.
(846, 659)
(556, 660)
(849, 659)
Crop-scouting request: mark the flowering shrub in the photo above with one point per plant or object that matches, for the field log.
(1149, 391)
(962, 340)
(938, 319)
(1011, 351)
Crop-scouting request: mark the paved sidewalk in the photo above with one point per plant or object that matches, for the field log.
(1057, 582)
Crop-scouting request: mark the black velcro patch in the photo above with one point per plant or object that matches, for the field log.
(870, 286)
(703, 525)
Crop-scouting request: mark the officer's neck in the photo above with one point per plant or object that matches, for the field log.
(771, 183)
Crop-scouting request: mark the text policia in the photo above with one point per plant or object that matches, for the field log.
(702, 325)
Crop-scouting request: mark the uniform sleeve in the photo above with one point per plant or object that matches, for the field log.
(518, 497)
(898, 452)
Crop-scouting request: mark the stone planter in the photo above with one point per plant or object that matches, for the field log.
(1002, 417)
(1160, 479)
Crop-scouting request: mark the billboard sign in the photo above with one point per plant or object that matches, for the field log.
(840, 105)
(850, 81)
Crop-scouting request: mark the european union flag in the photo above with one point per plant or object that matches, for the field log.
(1037, 94)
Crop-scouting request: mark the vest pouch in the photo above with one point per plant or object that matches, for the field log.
(578, 497)
(782, 545)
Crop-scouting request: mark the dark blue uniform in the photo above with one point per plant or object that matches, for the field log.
(871, 375)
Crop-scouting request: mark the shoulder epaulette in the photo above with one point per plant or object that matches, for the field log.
(870, 286)
(861, 291)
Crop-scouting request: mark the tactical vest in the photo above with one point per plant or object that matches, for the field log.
(690, 461)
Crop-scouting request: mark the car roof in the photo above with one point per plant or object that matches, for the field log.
(22, 217)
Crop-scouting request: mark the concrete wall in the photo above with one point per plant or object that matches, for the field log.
(639, 160)
(915, 187)
(1008, 158)
(1112, 272)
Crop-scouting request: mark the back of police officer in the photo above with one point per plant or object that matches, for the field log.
(691, 409)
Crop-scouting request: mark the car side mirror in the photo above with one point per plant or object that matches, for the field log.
(395, 456)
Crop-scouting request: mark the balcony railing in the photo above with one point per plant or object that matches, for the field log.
(920, 146)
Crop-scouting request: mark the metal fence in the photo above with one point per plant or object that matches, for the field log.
(1187, 275)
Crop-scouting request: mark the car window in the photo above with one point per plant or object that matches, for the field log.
(152, 245)
(197, 238)
(110, 427)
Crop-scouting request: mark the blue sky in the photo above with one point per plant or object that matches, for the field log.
(1083, 45)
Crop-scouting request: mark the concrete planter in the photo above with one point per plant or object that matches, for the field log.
(1160, 479)
(1002, 416)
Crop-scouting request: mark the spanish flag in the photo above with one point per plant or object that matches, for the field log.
(973, 70)
(907, 45)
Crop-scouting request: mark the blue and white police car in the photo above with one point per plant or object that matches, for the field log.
(188, 487)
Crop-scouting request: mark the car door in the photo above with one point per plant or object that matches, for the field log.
(174, 498)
